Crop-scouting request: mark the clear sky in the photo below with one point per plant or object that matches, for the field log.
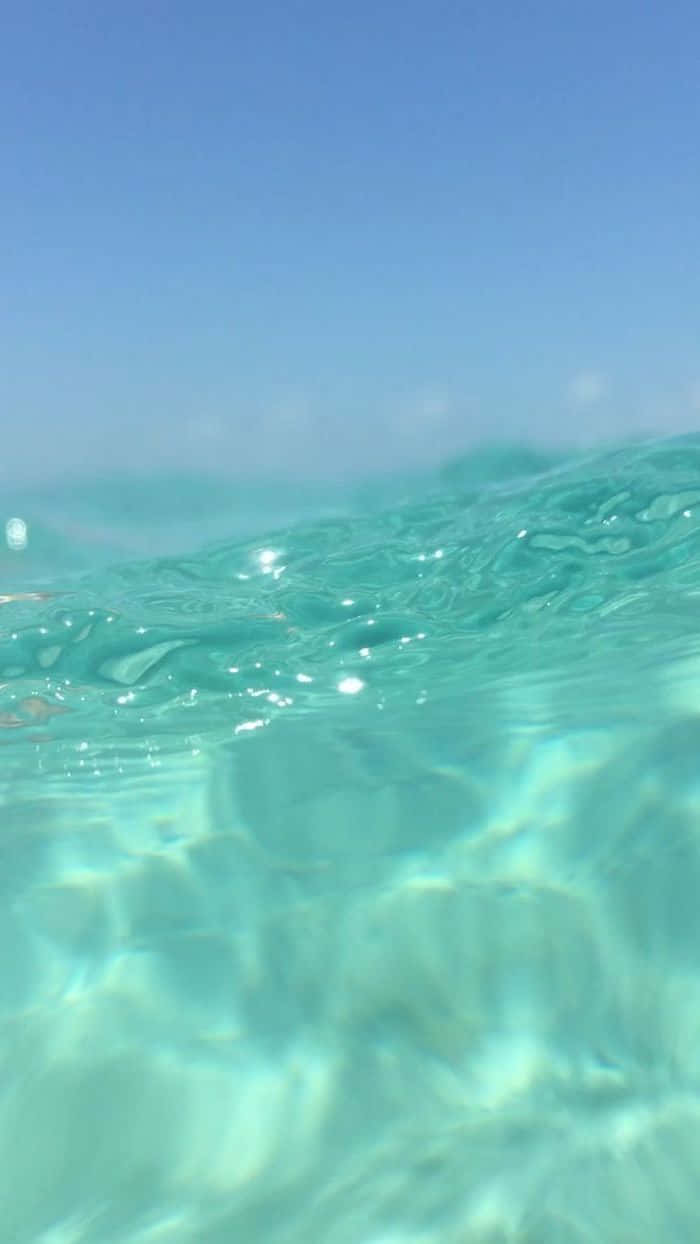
(308, 237)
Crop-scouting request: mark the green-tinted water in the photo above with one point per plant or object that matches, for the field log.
(351, 864)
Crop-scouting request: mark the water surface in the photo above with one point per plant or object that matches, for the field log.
(351, 857)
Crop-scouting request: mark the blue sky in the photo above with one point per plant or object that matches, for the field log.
(307, 238)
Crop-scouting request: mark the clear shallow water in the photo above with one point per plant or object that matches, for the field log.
(351, 863)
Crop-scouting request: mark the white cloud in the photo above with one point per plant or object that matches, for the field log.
(587, 388)
(426, 426)
(433, 408)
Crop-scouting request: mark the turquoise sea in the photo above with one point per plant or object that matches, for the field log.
(350, 856)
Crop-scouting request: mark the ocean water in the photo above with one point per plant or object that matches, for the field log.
(350, 857)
